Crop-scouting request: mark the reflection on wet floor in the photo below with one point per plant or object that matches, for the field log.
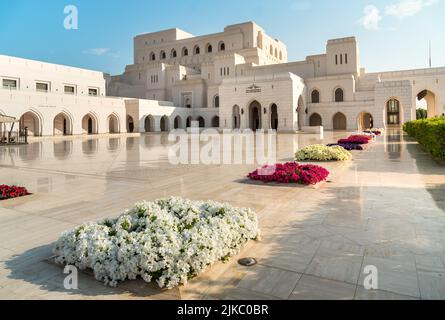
(146, 147)
(394, 144)
(384, 208)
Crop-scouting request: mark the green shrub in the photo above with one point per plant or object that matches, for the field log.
(421, 114)
(430, 133)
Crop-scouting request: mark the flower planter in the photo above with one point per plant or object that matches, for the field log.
(320, 152)
(348, 146)
(290, 173)
(168, 241)
(12, 192)
(8, 203)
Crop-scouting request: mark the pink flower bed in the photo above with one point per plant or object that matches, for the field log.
(9, 192)
(356, 139)
(290, 172)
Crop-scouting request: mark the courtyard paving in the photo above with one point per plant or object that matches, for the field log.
(386, 208)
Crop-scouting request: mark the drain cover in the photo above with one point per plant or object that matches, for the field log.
(247, 262)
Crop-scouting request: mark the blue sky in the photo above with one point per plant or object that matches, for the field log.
(393, 34)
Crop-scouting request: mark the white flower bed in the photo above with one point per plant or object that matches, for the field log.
(169, 241)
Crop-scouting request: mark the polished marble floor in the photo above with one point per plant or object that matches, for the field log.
(385, 208)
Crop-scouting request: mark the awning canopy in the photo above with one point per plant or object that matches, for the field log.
(6, 119)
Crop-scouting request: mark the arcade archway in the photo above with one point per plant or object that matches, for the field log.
(315, 120)
(31, 121)
(89, 124)
(113, 124)
(149, 124)
(255, 116)
(365, 121)
(62, 125)
(339, 121)
(427, 99)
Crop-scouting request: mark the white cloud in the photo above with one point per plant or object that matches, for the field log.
(408, 8)
(371, 18)
(96, 51)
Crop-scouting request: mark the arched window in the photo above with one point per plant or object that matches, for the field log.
(281, 55)
(152, 56)
(196, 50)
(222, 46)
(209, 48)
(315, 96)
(163, 55)
(188, 103)
(271, 50)
(236, 117)
(393, 112)
(339, 96)
(276, 53)
(216, 101)
(173, 53)
(185, 52)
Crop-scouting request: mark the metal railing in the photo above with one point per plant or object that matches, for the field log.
(14, 137)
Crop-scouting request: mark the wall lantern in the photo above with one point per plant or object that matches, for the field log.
(242, 111)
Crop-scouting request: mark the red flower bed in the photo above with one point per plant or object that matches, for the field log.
(360, 136)
(9, 192)
(356, 139)
(290, 172)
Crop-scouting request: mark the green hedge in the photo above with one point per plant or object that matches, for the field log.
(430, 133)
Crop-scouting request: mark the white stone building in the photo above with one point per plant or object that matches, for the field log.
(239, 78)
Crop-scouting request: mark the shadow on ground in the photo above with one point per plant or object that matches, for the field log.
(35, 267)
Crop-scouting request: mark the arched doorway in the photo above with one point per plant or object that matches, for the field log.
(149, 124)
(31, 121)
(215, 122)
(202, 122)
(62, 125)
(393, 112)
(164, 124)
(236, 115)
(339, 121)
(189, 122)
(315, 120)
(178, 122)
(130, 124)
(113, 124)
(89, 124)
(365, 121)
(274, 117)
(255, 116)
(426, 99)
